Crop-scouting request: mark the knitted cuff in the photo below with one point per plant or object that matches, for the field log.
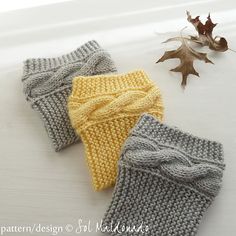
(167, 179)
(47, 84)
(102, 110)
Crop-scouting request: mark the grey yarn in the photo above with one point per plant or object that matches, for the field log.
(167, 179)
(48, 82)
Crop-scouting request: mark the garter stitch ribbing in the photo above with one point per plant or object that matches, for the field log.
(47, 84)
(102, 110)
(167, 179)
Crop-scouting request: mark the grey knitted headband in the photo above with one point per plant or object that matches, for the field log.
(167, 179)
(47, 84)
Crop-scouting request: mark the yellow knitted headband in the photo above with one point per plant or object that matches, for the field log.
(102, 110)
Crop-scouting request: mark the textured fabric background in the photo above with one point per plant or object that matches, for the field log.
(39, 185)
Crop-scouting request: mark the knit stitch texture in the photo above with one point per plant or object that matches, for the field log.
(47, 84)
(102, 110)
(167, 179)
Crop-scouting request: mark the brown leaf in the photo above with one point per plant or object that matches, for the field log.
(205, 37)
(187, 55)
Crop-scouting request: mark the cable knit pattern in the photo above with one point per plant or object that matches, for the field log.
(102, 110)
(167, 179)
(174, 164)
(105, 106)
(47, 84)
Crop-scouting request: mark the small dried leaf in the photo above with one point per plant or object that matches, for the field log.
(187, 55)
(205, 37)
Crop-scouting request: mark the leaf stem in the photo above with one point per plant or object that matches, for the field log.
(231, 50)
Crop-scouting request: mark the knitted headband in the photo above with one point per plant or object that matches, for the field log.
(47, 84)
(102, 110)
(167, 179)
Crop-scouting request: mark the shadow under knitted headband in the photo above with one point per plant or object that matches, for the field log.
(167, 179)
(47, 84)
(102, 110)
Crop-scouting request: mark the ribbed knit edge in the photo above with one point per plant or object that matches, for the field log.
(149, 127)
(36, 65)
(128, 183)
(56, 120)
(90, 86)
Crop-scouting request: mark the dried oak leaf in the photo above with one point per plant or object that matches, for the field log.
(187, 55)
(205, 37)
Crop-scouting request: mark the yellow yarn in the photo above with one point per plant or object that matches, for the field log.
(103, 109)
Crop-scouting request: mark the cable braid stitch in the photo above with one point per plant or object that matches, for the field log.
(104, 106)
